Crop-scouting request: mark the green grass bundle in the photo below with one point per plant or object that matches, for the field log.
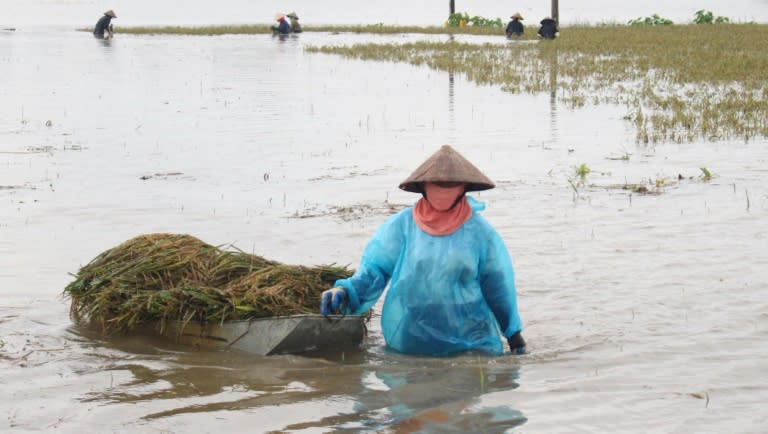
(166, 277)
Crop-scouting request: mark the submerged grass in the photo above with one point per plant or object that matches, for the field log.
(679, 83)
(165, 277)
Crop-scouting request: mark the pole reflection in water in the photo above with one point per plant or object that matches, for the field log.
(451, 111)
(553, 71)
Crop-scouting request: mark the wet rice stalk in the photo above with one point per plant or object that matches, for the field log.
(165, 277)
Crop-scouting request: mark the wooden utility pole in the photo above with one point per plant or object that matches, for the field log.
(555, 12)
(452, 7)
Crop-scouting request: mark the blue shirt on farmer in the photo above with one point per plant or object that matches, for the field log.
(447, 294)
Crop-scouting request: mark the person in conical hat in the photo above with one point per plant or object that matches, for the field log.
(515, 27)
(103, 28)
(548, 29)
(451, 285)
(447, 165)
(282, 27)
(295, 26)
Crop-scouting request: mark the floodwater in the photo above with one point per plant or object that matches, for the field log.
(643, 312)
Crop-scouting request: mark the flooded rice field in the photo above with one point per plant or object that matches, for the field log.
(644, 310)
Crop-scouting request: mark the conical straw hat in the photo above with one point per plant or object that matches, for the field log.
(110, 13)
(447, 165)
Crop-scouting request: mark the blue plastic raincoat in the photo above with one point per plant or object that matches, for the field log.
(447, 294)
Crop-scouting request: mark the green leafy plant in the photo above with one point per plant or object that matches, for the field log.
(653, 20)
(455, 20)
(478, 21)
(706, 175)
(707, 17)
(582, 171)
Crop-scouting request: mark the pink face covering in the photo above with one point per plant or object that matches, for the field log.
(442, 198)
(443, 220)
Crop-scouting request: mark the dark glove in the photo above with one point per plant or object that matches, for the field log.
(516, 344)
(332, 300)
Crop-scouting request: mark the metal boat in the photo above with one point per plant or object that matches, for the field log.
(267, 336)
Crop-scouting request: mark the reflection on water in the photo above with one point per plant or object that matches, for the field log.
(385, 390)
(451, 112)
(553, 71)
(406, 400)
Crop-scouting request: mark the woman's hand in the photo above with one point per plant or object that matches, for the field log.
(332, 300)
(516, 344)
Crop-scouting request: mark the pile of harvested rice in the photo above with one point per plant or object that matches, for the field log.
(178, 277)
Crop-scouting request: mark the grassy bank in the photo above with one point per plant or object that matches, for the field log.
(264, 28)
(249, 29)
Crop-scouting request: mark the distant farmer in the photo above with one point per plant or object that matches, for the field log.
(515, 27)
(104, 25)
(548, 29)
(282, 27)
(295, 26)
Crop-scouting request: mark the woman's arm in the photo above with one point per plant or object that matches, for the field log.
(379, 259)
(497, 281)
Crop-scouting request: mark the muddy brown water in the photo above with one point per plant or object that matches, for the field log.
(643, 313)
